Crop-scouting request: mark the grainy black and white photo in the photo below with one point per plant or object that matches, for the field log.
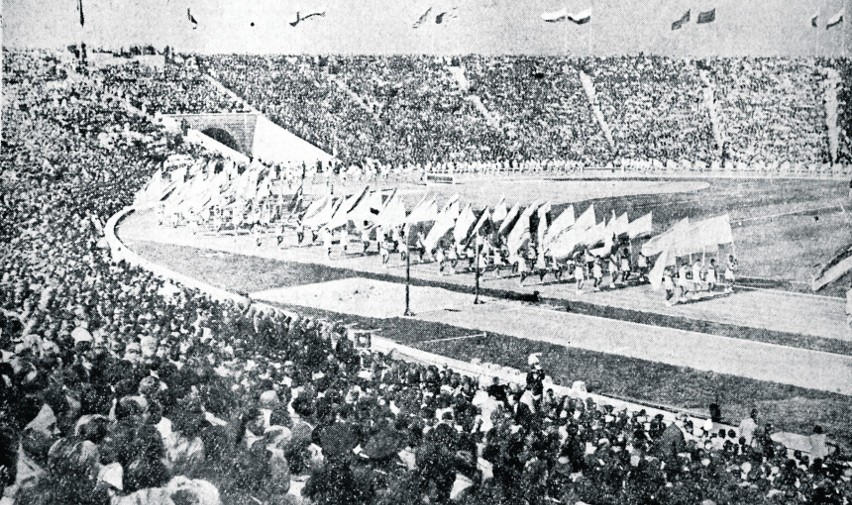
(449, 252)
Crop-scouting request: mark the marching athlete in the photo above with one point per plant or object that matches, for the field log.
(730, 273)
(710, 277)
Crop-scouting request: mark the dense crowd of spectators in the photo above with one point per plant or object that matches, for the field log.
(772, 109)
(655, 106)
(843, 66)
(120, 387)
(172, 89)
(405, 110)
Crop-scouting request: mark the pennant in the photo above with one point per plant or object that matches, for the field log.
(482, 224)
(191, 19)
(500, 211)
(80, 8)
(655, 276)
(510, 219)
(450, 14)
(422, 19)
(560, 224)
(555, 16)
(665, 240)
(443, 226)
(707, 16)
(464, 224)
(677, 25)
(300, 18)
(835, 19)
(587, 219)
(314, 208)
(815, 20)
(581, 17)
(640, 227)
(520, 235)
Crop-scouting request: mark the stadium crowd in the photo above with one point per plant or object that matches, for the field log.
(407, 111)
(173, 89)
(121, 387)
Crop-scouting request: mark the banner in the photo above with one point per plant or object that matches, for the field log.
(510, 219)
(640, 227)
(555, 16)
(560, 224)
(665, 240)
(587, 219)
(677, 25)
(706, 17)
(655, 276)
(835, 19)
(443, 225)
(464, 223)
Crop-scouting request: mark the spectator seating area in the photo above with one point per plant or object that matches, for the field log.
(405, 110)
(772, 110)
(173, 89)
(120, 387)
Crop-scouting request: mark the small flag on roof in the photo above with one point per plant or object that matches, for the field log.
(677, 25)
(555, 16)
(422, 19)
(191, 19)
(835, 19)
(706, 16)
(582, 17)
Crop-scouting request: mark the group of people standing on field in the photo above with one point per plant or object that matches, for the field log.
(685, 280)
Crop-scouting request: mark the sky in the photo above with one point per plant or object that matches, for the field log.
(742, 27)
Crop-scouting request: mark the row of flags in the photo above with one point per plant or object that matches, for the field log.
(686, 238)
(832, 21)
(439, 17)
(703, 18)
(559, 237)
(299, 16)
(579, 18)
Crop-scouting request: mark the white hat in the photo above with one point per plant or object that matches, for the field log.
(112, 474)
(80, 334)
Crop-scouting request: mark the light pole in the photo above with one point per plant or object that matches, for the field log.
(478, 250)
(407, 312)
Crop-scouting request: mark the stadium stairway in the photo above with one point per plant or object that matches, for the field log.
(221, 87)
(710, 102)
(370, 108)
(464, 85)
(591, 94)
(830, 85)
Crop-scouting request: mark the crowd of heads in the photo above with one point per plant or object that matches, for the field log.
(117, 386)
(413, 110)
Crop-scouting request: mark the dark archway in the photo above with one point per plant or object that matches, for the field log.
(223, 137)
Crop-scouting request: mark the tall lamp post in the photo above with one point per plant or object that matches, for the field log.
(407, 312)
(478, 251)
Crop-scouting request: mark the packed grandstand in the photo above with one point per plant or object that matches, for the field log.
(122, 387)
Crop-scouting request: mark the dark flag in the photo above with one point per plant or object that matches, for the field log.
(422, 18)
(298, 199)
(191, 19)
(835, 20)
(814, 20)
(707, 17)
(80, 8)
(677, 25)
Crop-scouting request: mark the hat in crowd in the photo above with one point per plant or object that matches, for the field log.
(80, 334)
(112, 474)
(196, 491)
(269, 399)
